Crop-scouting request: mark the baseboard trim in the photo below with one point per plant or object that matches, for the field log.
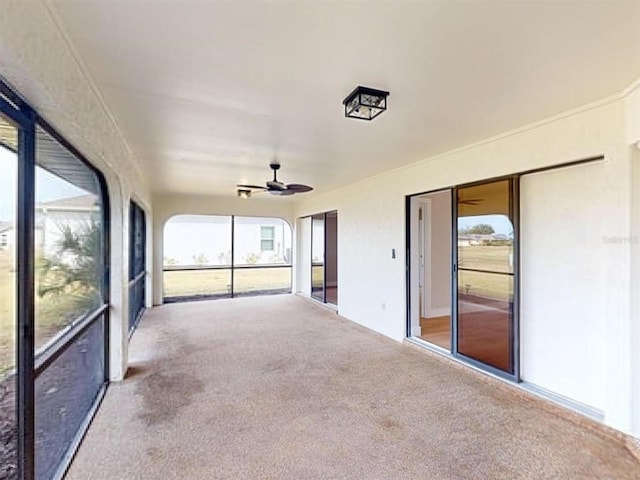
(569, 403)
(633, 445)
(438, 312)
(327, 306)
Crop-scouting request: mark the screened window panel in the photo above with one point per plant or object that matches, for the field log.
(68, 240)
(65, 393)
(8, 319)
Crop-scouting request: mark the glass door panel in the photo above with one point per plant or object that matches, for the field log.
(485, 275)
(331, 258)
(317, 257)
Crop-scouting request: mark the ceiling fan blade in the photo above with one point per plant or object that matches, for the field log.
(275, 191)
(299, 188)
(255, 187)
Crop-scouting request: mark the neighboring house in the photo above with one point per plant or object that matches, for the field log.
(477, 239)
(206, 240)
(52, 217)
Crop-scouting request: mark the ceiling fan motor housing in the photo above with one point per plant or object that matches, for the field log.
(276, 185)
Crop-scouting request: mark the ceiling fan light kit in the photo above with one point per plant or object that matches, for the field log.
(274, 187)
(365, 103)
(244, 193)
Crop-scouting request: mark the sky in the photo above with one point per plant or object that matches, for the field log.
(48, 186)
(500, 223)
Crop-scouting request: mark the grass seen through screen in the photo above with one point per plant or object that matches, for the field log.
(52, 314)
(185, 283)
(7, 318)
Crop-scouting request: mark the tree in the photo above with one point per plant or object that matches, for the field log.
(74, 270)
(481, 228)
(169, 261)
(200, 259)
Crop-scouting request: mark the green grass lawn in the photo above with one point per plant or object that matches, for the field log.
(7, 322)
(485, 257)
(218, 282)
(52, 314)
(487, 285)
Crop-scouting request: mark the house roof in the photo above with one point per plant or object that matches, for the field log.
(81, 202)
(5, 226)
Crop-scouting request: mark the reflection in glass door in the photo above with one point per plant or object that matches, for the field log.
(485, 274)
(331, 258)
(317, 257)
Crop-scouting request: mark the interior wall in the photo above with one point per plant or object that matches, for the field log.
(563, 319)
(633, 114)
(167, 206)
(372, 223)
(634, 337)
(439, 285)
(36, 61)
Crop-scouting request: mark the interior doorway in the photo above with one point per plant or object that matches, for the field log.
(324, 257)
(431, 257)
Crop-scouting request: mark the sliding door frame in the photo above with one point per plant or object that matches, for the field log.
(515, 213)
(514, 331)
(324, 255)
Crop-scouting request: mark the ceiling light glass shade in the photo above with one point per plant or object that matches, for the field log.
(365, 103)
(244, 193)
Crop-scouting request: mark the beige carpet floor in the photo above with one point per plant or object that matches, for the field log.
(277, 388)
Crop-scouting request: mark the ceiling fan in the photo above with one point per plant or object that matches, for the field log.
(471, 201)
(275, 187)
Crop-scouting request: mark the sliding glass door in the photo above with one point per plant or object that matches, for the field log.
(324, 257)
(485, 273)
(317, 256)
(331, 257)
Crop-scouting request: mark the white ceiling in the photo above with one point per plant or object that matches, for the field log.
(207, 92)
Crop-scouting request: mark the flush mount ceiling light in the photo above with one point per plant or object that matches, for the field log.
(365, 103)
(244, 193)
